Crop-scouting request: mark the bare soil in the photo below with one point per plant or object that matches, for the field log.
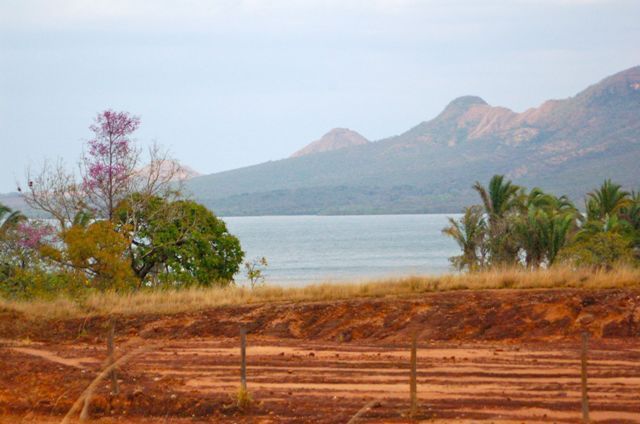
(494, 356)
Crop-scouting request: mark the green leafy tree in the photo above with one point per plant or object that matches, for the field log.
(180, 242)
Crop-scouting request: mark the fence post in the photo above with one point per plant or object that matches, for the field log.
(413, 383)
(115, 388)
(243, 360)
(585, 395)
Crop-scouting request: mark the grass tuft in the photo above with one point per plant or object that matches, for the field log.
(243, 399)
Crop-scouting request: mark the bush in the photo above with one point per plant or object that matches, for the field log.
(20, 284)
(601, 250)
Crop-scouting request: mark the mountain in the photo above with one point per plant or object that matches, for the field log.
(12, 200)
(172, 169)
(337, 138)
(565, 146)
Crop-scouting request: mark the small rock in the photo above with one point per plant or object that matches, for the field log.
(585, 319)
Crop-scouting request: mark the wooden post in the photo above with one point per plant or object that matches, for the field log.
(585, 395)
(115, 388)
(84, 413)
(243, 360)
(413, 382)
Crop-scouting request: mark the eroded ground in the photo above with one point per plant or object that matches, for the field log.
(192, 375)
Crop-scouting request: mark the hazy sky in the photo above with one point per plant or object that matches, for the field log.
(226, 83)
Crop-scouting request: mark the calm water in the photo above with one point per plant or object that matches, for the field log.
(307, 249)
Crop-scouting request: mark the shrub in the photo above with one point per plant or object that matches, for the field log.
(601, 250)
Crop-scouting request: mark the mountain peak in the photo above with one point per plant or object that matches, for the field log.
(465, 102)
(337, 138)
(459, 107)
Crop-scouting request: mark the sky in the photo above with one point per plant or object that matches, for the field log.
(223, 84)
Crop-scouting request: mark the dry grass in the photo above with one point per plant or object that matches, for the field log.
(174, 301)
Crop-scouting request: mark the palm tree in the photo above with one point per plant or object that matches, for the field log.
(608, 200)
(469, 232)
(556, 234)
(612, 210)
(631, 212)
(609, 224)
(544, 228)
(9, 219)
(500, 200)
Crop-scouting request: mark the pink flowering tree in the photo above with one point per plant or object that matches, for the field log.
(110, 163)
(111, 170)
(31, 235)
(21, 244)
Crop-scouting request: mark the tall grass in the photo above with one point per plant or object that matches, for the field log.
(193, 299)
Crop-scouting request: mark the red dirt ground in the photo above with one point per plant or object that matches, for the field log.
(494, 356)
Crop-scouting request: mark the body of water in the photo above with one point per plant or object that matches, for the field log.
(308, 249)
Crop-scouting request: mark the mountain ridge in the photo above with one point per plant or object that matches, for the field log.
(567, 146)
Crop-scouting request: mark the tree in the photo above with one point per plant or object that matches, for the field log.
(254, 270)
(501, 199)
(9, 219)
(98, 252)
(556, 234)
(513, 227)
(21, 245)
(111, 171)
(612, 213)
(542, 227)
(181, 239)
(631, 211)
(111, 160)
(469, 232)
(608, 200)
(54, 191)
